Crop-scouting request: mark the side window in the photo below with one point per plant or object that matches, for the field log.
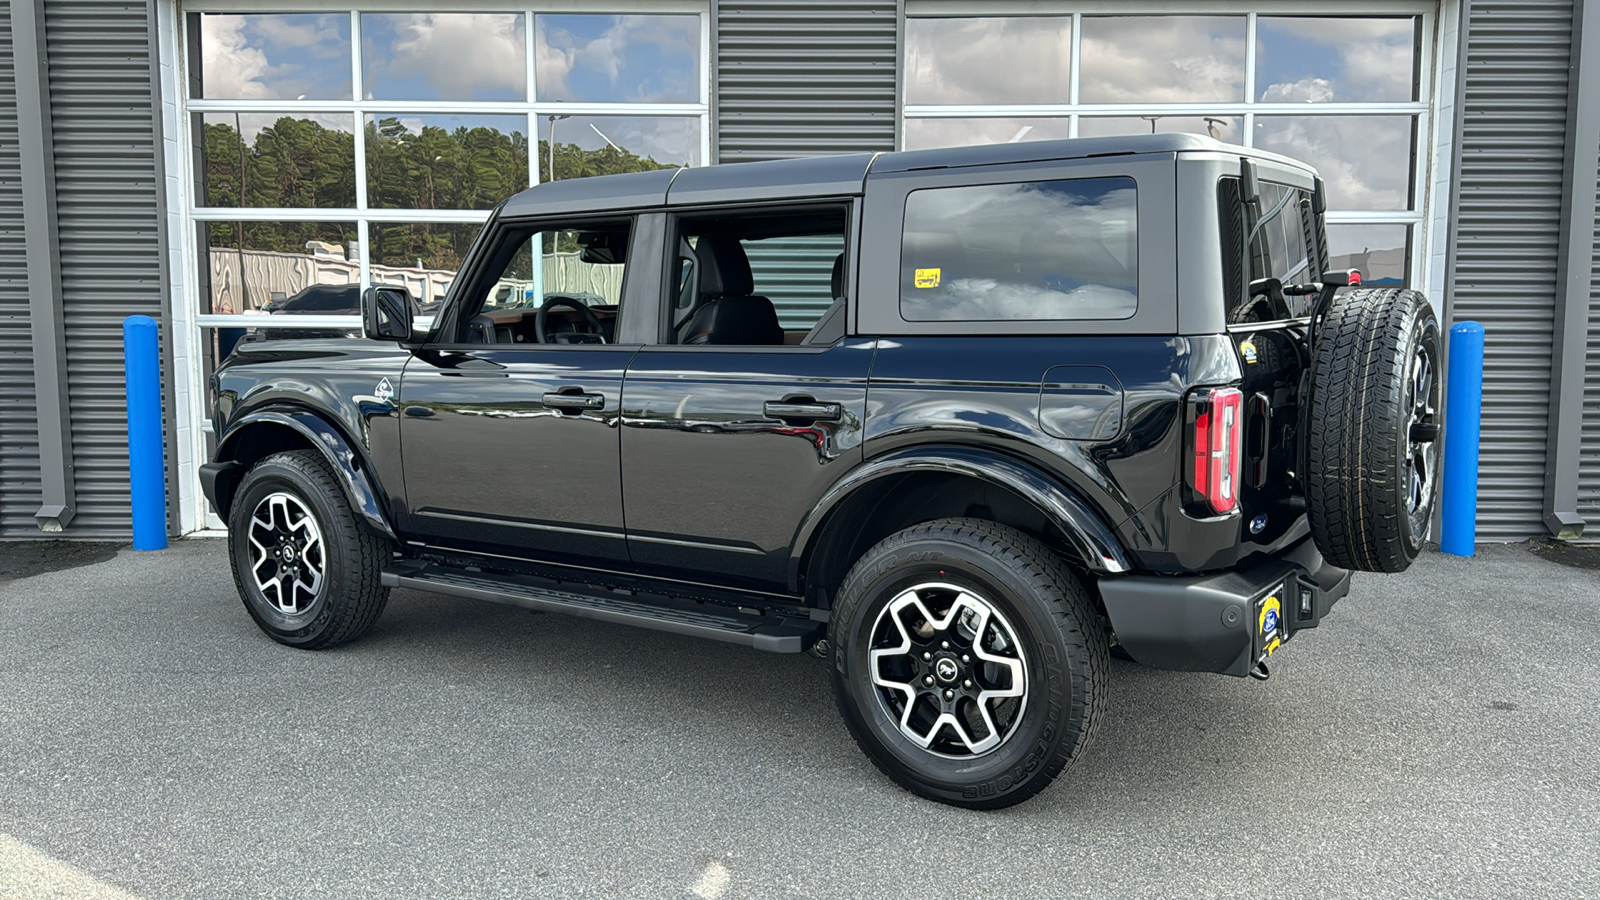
(574, 273)
(1281, 246)
(766, 278)
(1040, 250)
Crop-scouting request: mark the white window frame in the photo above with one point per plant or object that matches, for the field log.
(185, 215)
(1432, 109)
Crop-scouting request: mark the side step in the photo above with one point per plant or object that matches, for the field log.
(776, 634)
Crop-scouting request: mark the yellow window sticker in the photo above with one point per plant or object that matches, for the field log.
(927, 278)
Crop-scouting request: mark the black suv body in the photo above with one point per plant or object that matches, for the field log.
(1021, 405)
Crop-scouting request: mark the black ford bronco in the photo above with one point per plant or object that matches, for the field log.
(962, 423)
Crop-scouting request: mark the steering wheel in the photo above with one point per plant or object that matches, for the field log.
(590, 318)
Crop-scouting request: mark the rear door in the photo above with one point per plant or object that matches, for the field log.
(727, 446)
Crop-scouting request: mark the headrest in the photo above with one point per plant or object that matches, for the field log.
(838, 276)
(735, 320)
(724, 269)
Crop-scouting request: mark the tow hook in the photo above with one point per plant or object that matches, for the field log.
(1260, 672)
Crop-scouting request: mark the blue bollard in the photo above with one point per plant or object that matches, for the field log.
(1463, 419)
(147, 479)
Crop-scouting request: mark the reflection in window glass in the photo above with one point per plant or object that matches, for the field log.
(276, 262)
(443, 56)
(927, 134)
(274, 57)
(606, 145)
(445, 161)
(1382, 253)
(1365, 160)
(302, 160)
(1223, 128)
(954, 60)
(422, 256)
(586, 264)
(617, 59)
(1038, 250)
(1281, 247)
(1162, 59)
(1343, 60)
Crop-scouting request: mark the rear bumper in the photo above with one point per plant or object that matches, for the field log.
(1222, 622)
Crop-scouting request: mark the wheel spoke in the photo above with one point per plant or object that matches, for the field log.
(288, 559)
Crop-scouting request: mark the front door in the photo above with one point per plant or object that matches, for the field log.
(508, 427)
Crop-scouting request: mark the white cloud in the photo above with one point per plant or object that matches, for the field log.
(232, 68)
(954, 60)
(615, 56)
(1365, 160)
(460, 55)
(1166, 59)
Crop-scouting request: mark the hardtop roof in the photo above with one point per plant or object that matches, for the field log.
(831, 176)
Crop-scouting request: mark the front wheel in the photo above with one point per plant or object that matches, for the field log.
(308, 572)
(968, 662)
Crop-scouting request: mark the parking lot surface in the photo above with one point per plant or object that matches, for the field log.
(1435, 737)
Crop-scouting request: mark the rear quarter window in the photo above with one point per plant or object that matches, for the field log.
(1036, 250)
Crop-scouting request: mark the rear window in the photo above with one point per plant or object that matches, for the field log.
(1064, 249)
(1282, 246)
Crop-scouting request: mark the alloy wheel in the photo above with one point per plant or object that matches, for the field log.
(287, 555)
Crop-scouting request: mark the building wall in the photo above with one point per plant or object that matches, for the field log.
(19, 434)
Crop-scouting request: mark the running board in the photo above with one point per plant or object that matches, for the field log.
(776, 634)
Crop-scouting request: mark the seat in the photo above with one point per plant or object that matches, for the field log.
(830, 327)
(729, 312)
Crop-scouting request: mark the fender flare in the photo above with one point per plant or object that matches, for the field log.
(1093, 540)
(347, 464)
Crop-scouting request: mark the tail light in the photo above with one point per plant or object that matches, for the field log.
(1218, 436)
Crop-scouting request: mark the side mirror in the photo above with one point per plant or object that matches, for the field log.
(386, 313)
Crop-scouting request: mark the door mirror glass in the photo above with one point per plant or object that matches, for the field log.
(386, 313)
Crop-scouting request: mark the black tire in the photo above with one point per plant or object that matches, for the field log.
(347, 596)
(1374, 434)
(1043, 625)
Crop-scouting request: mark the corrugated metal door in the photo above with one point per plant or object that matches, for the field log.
(1589, 459)
(1513, 139)
(100, 54)
(796, 273)
(19, 431)
(804, 79)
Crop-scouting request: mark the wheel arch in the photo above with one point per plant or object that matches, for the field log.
(261, 433)
(918, 484)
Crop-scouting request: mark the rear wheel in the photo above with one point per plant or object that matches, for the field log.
(968, 662)
(1374, 432)
(307, 570)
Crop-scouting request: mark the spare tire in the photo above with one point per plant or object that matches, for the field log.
(1374, 430)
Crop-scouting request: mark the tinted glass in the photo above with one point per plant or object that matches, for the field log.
(1037, 250)
(570, 265)
(444, 161)
(269, 159)
(1223, 128)
(925, 134)
(275, 262)
(275, 57)
(1282, 243)
(605, 145)
(617, 59)
(1343, 60)
(954, 60)
(1162, 59)
(443, 56)
(1382, 253)
(1366, 160)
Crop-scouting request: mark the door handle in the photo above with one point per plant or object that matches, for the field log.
(809, 411)
(574, 400)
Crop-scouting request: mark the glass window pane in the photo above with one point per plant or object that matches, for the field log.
(443, 56)
(1343, 60)
(606, 145)
(274, 57)
(445, 161)
(954, 60)
(1382, 253)
(1223, 128)
(280, 268)
(927, 134)
(302, 160)
(1038, 250)
(617, 59)
(422, 256)
(586, 264)
(1162, 59)
(1366, 161)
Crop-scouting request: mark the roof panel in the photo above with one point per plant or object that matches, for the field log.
(602, 193)
(783, 179)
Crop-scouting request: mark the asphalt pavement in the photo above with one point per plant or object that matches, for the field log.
(1435, 737)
